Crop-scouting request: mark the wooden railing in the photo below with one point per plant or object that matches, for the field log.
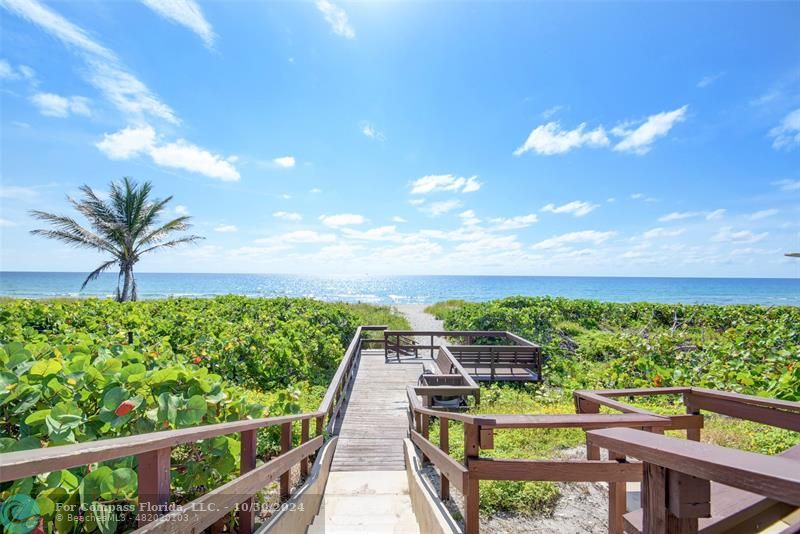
(465, 474)
(692, 478)
(676, 490)
(153, 451)
(630, 423)
(402, 342)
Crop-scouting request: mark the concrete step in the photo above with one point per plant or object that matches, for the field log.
(366, 501)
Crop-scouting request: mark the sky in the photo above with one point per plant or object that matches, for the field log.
(356, 138)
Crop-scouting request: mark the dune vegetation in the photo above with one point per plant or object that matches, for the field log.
(82, 370)
(597, 345)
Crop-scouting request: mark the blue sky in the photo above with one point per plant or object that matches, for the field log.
(414, 138)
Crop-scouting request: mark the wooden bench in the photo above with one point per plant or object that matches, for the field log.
(500, 362)
(731, 508)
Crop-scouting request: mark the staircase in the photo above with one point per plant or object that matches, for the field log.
(373, 502)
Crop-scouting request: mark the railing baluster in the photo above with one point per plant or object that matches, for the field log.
(424, 431)
(472, 493)
(617, 494)
(304, 435)
(286, 444)
(153, 471)
(444, 445)
(249, 439)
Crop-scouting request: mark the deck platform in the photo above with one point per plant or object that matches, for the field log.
(376, 421)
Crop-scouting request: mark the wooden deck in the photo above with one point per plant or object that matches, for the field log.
(376, 420)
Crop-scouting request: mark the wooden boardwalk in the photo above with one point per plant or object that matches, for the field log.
(375, 416)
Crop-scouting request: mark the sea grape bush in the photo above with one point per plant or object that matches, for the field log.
(74, 371)
(591, 344)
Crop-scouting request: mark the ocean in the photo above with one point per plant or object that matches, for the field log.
(413, 289)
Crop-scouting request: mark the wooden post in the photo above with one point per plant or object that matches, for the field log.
(444, 445)
(286, 444)
(616, 499)
(691, 433)
(673, 507)
(424, 430)
(320, 425)
(431, 347)
(472, 495)
(249, 439)
(154, 477)
(584, 406)
(304, 435)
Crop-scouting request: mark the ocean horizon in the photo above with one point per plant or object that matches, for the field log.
(411, 289)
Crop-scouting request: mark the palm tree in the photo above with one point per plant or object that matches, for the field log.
(125, 226)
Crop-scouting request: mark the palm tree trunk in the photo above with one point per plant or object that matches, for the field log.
(127, 283)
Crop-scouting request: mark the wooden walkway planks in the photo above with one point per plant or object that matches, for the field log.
(375, 417)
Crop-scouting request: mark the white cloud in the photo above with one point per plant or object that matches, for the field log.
(549, 112)
(727, 235)
(513, 223)
(642, 197)
(127, 142)
(705, 81)
(682, 215)
(548, 139)
(640, 139)
(181, 210)
(15, 192)
(226, 228)
(288, 215)
(762, 214)
(444, 182)
(22, 72)
(658, 233)
(6, 222)
(679, 216)
(585, 236)
(788, 185)
(52, 105)
(787, 134)
(381, 233)
(336, 18)
(342, 219)
(286, 196)
(316, 190)
(284, 162)
(370, 131)
(469, 218)
(181, 154)
(186, 13)
(302, 236)
(416, 201)
(440, 208)
(398, 219)
(577, 208)
(611, 200)
(492, 243)
(105, 71)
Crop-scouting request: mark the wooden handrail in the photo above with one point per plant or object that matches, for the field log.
(776, 404)
(202, 512)
(586, 421)
(21, 464)
(775, 477)
(327, 401)
(447, 333)
(458, 367)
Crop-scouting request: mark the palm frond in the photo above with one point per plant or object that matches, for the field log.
(94, 274)
(173, 243)
(69, 230)
(175, 225)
